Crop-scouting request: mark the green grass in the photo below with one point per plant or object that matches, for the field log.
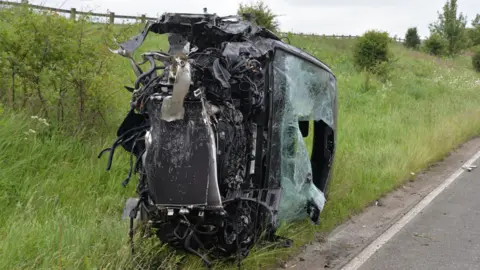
(60, 208)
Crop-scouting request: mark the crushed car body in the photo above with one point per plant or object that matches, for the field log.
(217, 130)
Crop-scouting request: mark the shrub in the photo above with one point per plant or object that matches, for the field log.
(372, 52)
(262, 14)
(52, 67)
(476, 60)
(474, 35)
(435, 45)
(412, 40)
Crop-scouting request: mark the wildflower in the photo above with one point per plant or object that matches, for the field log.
(44, 121)
(41, 120)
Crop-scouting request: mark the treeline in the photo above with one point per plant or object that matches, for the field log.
(450, 35)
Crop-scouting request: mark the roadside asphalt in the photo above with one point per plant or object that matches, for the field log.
(445, 235)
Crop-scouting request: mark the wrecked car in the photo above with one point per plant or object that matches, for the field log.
(217, 127)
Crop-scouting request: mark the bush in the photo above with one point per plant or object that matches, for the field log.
(435, 45)
(53, 68)
(412, 40)
(474, 35)
(476, 60)
(262, 14)
(372, 52)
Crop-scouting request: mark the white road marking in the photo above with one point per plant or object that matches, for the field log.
(363, 256)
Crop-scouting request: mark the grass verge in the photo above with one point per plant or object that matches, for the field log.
(61, 209)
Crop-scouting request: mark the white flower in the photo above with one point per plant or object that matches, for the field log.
(41, 120)
(32, 131)
(44, 121)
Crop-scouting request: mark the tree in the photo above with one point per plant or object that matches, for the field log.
(476, 21)
(451, 27)
(262, 14)
(412, 40)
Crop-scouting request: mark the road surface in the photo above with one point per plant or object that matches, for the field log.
(444, 235)
(430, 222)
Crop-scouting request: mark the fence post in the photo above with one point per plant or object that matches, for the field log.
(112, 17)
(73, 13)
(144, 18)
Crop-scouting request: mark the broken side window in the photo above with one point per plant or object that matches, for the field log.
(302, 91)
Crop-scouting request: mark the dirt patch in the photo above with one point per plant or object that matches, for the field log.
(336, 249)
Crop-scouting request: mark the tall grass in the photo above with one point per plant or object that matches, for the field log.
(60, 208)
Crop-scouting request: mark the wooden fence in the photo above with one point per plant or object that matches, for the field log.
(73, 12)
(143, 18)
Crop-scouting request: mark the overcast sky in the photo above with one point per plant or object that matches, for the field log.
(347, 17)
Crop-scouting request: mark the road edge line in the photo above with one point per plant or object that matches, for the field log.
(373, 247)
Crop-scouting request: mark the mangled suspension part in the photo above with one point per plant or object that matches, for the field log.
(218, 135)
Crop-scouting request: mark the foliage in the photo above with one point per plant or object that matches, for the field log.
(261, 13)
(473, 36)
(474, 32)
(452, 27)
(476, 60)
(412, 40)
(435, 45)
(52, 67)
(476, 21)
(372, 52)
